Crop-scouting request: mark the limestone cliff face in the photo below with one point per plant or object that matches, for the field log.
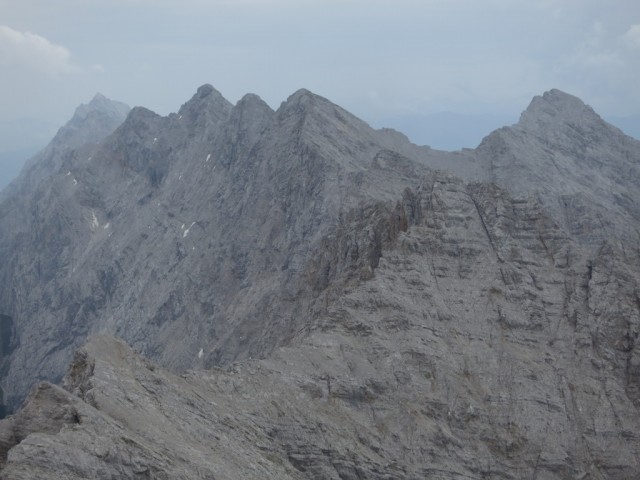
(411, 313)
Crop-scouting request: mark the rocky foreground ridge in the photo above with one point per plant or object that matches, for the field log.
(345, 304)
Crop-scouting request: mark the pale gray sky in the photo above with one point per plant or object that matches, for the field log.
(377, 58)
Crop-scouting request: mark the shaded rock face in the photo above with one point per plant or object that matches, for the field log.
(417, 314)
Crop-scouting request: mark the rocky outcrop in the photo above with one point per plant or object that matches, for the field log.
(361, 307)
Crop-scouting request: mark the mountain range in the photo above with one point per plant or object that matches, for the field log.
(233, 291)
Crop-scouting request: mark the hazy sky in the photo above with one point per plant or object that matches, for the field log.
(376, 58)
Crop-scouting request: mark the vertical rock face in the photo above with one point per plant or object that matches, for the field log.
(416, 313)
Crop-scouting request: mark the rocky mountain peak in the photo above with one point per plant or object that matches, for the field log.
(250, 116)
(98, 98)
(93, 121)
(90, 124)
(206, 90)
(557, 109)
(317, 113)
(562, 149)
(302, 94)
(100, 106)
(207, 104)
(139, 116)
(252, 103)
(100, 102)
(304, 101)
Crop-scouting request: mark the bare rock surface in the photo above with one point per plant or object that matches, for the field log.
(582, 169)
(346, 304)
(206, 225)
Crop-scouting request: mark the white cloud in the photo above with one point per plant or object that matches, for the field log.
(632, 37)
(34, 52)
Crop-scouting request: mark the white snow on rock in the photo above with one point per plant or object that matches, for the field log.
(208, 157)
(106, 225)
(155, 139)
(186, 232)
(94, 220)
(201, 353)
(75, 182)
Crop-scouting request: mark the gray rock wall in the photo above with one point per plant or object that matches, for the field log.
(417, 314)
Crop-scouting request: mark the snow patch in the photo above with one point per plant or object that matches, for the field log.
(106, 225)
(68, 173)
(155, 139)
(186, 232)
(94, 220)
(180, 117)
(201, 353)
(208, 157)
(75, 182)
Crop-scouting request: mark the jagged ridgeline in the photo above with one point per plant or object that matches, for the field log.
(349, 305)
